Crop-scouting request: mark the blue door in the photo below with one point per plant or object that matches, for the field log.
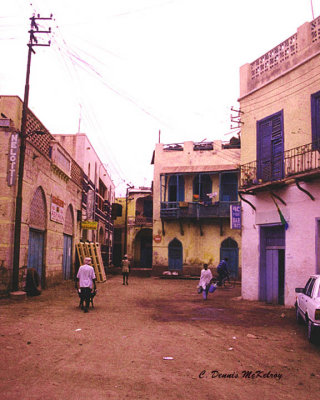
(35, 250)
(175, 255)
(272, 264)
(67, 256)
(229, 249)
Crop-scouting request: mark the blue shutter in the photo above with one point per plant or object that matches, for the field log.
(180, 188)
(270, 148)
(315, 120)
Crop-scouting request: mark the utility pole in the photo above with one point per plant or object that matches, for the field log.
(33, 41)
(126, 221)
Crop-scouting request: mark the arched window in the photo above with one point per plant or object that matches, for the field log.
(202, 186)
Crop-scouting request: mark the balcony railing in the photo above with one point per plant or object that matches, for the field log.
(302, 160)
(195, 210)
(142, 220)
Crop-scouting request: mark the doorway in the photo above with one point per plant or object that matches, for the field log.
(272, 264)
(229, 249)
(175, 255)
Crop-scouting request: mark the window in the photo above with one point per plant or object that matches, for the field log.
(310, 287)
(270, 147)
(229, 187)
(202, 186)
(315, 120)
(176, 188)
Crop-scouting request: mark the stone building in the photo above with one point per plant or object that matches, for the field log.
(133, 228)
(52, 195)
(280, 106)
(195, 187)
(98, 193)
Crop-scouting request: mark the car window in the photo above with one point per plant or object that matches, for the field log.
(307, 284)
(310, 287)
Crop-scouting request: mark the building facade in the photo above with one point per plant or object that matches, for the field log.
(195, 187)
(280, 136)
(98, 193)
(133, 228)
(52, 196)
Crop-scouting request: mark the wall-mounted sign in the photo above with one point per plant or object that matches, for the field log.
(92, 225)
(57, 210)
(157, 238)
(90, 204)
(235, 216)
(12, 159)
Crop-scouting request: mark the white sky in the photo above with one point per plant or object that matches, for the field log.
(134, 67)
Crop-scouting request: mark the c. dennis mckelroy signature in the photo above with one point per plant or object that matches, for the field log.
(245, 374)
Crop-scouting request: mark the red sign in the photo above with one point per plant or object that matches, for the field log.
(157, 238)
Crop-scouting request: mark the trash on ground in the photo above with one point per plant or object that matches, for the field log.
(77, 330)
(249, 335)
(167, 358)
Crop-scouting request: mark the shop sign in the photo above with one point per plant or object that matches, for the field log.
(90, 204)
(12, 159)
(91, 225)
(235, 216)
(57, 210)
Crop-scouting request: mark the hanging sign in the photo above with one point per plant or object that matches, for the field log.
(91, 225)
(235, 216)
(12, 159)
(90, 204)
(57, 210)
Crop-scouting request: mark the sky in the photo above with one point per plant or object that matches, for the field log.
(120, 71)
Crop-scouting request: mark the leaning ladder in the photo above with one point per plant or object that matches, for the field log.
(92, 250)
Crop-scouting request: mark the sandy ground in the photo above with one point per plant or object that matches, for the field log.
(51, 350)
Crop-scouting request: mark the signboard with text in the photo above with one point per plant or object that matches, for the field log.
(12, 159)
(57, 210)
(235, 216)
(92, 225)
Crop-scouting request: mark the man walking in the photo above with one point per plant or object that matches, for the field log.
(86, 280)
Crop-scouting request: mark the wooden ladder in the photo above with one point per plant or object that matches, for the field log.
(93, 251)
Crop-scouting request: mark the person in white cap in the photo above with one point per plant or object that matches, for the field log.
(86, 279)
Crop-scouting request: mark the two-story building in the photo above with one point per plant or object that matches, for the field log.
(51, 201)
(280, 167)
(98, 193)
(195, 190)
(133, 228)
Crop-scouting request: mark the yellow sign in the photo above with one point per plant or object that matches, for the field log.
(93, 225)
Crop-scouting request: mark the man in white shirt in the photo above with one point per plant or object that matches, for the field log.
(86, 280)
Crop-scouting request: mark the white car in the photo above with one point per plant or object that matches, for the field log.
(308, 306)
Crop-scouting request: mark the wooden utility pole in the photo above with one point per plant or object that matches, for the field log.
(33, 41)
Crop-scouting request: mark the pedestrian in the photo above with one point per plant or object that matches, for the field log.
(86, 281)
(125, 269)
(205, 280)
(222, 270)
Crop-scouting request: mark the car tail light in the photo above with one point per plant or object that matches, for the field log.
(317, 314)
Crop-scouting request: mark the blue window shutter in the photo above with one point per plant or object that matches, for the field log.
(181, 188)
(270, 147)
(315, 120)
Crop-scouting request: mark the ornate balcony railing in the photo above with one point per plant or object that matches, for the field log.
(195, 210)
(302, 160)
(142, 220)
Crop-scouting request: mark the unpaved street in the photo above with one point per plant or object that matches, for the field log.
(51, 350)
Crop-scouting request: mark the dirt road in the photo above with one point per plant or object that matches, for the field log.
(51, 350)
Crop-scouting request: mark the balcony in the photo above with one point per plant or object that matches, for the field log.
(142, 220)
(173, 210)
(299, 163)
